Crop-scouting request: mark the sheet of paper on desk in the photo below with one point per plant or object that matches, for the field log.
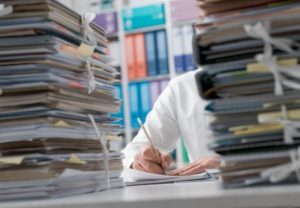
(135, 177)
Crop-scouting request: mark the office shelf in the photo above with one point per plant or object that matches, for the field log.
(130, 132)
(185, 22)
(110, 10)
(151, 78)
(146, 29)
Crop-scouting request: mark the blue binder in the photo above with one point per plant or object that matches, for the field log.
(187, 32)
(120, 114)
(189, 62)
(145, 100)
(134, 104)
(179, 64)
(151, 54)
(178, 49)
(162, 52)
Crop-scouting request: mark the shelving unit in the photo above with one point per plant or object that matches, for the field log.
(183, 23)
(169, 30)
(121, 33)
(119, 5)
(151, 78)
(147, 29)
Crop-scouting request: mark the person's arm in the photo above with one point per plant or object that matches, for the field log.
(161, 123)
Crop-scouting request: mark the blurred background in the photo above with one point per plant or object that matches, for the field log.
(151, 42)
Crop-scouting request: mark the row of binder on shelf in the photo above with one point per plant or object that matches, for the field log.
(183, 49)
(142, 97)
(148, 16)
(147, 54)
(133, 18)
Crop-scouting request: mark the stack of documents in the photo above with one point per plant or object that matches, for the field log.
(56, 97)
(218, 8)
(253, 127)
(223, 38)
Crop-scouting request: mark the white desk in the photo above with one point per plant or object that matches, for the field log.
(181, 195)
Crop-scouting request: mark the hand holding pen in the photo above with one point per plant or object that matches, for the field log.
(150, 159)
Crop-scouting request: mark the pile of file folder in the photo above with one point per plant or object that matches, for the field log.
(227, 8)
(254, 128)
(56, 97)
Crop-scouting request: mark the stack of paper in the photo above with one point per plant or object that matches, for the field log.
(254, 122)
(56, 97)
(224, 39)
(231, 7)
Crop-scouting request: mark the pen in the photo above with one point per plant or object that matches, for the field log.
(150, 141)
(148, 137)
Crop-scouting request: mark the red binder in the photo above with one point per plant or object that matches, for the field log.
(130, 53)
(140, 55)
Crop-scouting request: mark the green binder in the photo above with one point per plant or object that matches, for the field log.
(141, 17)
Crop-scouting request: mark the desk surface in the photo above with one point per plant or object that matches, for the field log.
(206, 194)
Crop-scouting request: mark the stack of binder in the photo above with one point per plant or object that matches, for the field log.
(147, 54)
(253, 117)
(56, 97)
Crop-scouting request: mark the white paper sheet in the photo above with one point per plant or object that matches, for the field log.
(136, 177)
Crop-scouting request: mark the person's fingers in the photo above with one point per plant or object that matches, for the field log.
(190, 170)
(193, 171)
(176, 171)
(166, 159)
(148, 153)
(197, 167)
(213, 163)
(137, 166)
(185, 168)
(140, 163)
(151, 167)
(209, 163)
(152, 161)
(182, 169)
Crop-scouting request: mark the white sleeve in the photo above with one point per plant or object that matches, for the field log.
(161, 124)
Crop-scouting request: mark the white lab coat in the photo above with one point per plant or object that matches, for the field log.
(177, 113)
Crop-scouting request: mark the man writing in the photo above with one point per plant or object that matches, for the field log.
(178, 113)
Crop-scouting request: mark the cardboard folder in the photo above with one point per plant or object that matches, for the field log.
(130, 57)
(140, 55)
